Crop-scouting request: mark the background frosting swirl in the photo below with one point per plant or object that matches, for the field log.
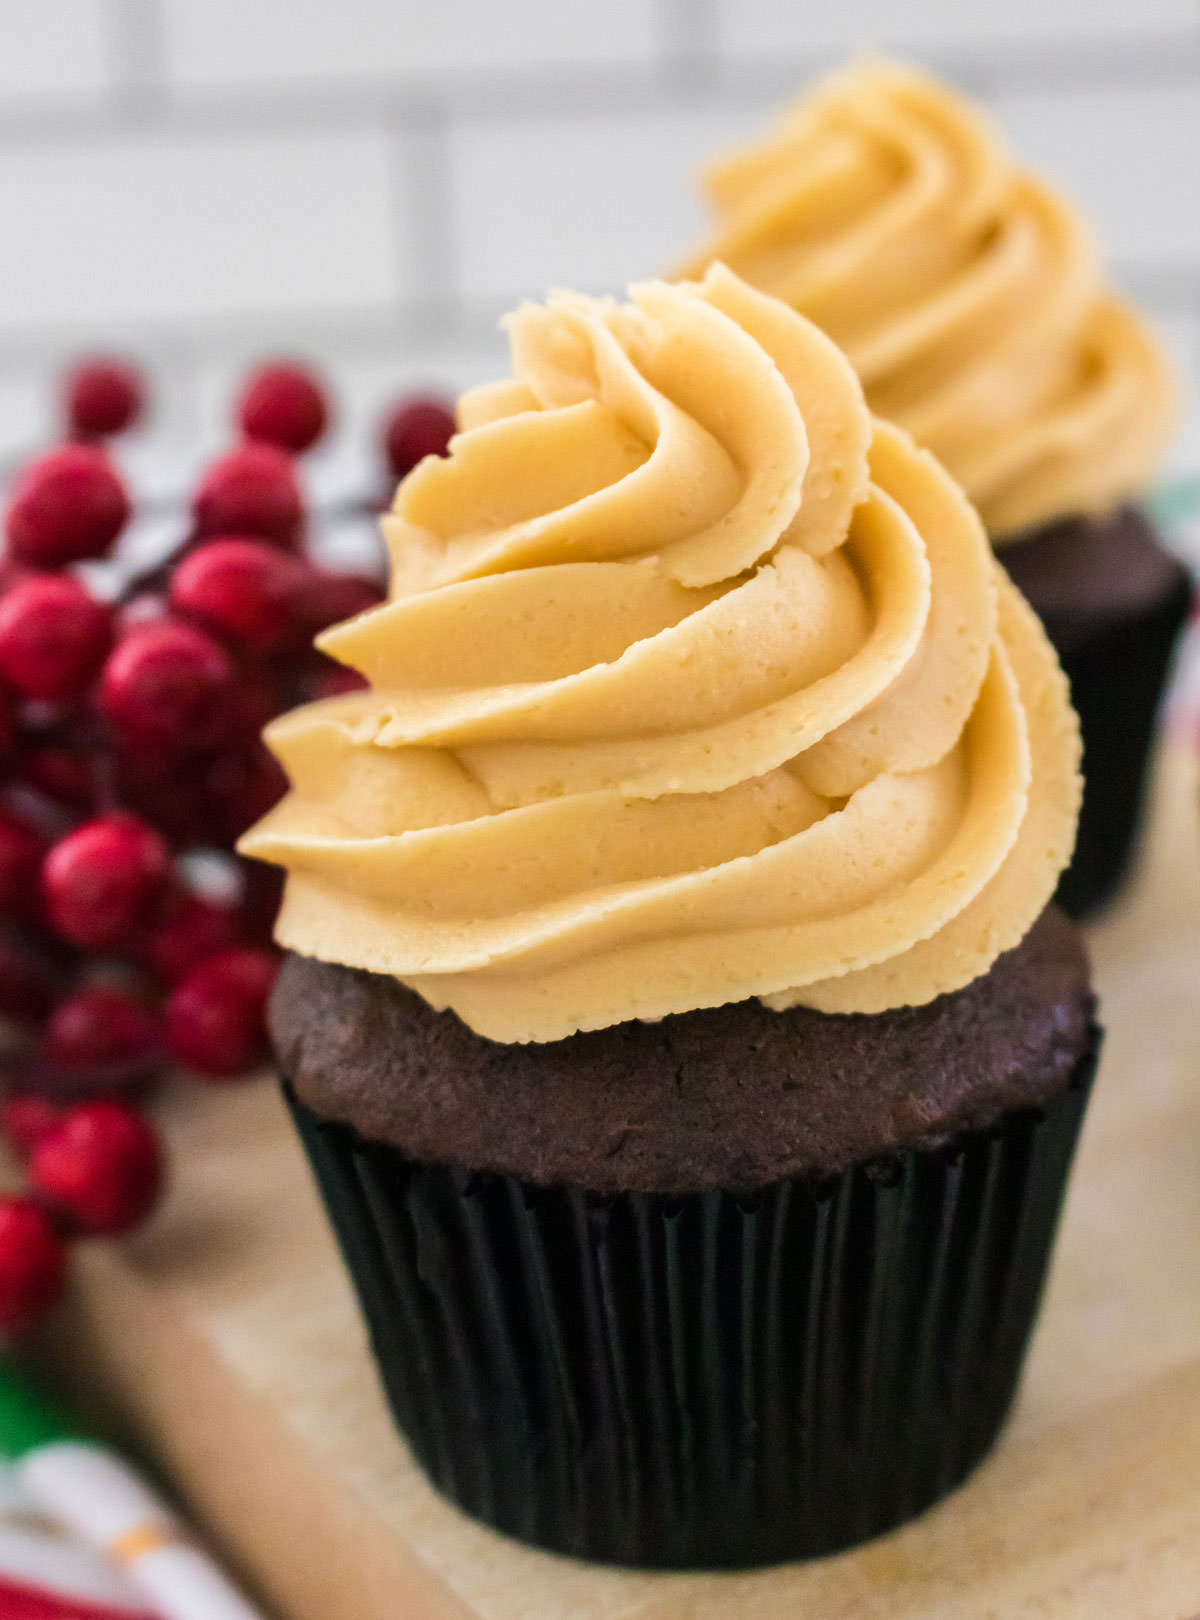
(696, 683)
(967, 295)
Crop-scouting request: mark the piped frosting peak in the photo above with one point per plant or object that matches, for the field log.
(696, 683)
(966, 293)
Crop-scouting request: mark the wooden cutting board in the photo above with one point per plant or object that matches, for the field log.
(224, 1343)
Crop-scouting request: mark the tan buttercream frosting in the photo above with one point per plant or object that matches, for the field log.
(966, 293)
(697, 683)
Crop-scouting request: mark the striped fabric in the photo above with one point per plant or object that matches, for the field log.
(47, 1575)
(21, 1602)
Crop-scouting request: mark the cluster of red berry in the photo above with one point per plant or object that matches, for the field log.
(129, 742)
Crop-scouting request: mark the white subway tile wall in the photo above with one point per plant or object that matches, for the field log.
(53, 50)
(262, 42)
(1131, 152)
(371, 182)
(185, 228)
(594, 204)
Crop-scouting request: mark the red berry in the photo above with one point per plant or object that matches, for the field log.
(250, 491)
(216, 1017)
(26, 1119)
(100, 1167)
(283, 404)
(102, 397)
(62, 774)
(102, 881)
(167, 685)
(29, 980)
(21, 852)
(66, 506)
(416, 428)
(102, 1027)
(242, 589)
(33, 1265)
(194, 930)
(11, 573)
(53, 637)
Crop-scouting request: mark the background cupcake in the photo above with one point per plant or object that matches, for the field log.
(669, 1023)
(970, 299)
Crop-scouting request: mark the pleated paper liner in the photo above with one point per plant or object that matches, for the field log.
(712, 1380)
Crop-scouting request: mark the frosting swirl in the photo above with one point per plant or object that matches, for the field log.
(967, 295)
(696, 683)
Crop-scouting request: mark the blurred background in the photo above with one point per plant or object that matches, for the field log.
(371, 182)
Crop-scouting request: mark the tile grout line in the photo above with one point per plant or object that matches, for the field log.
(137, 51)
(424, 190)
(689, 54)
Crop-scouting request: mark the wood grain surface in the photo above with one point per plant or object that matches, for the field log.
(225, 1344)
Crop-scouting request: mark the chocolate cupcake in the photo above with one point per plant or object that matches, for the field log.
(970, 299)
(1113, 603)
(669, 1021)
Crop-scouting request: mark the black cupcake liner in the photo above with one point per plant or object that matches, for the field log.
(1118, 671)
(710, 1380)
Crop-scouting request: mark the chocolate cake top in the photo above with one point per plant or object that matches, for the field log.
(735, 1096)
